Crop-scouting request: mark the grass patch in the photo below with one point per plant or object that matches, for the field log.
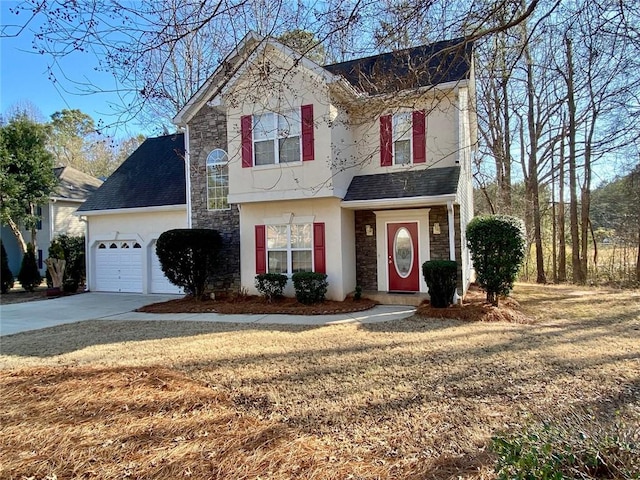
(418, 398)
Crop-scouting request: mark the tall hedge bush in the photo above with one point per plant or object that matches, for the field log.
(497, 244)
(442, 278)
(189, 257)
(6, 275)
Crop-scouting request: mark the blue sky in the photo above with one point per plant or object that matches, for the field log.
(24, 77)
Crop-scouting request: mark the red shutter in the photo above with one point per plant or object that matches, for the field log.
(386, 138)
(246, 124)
(307, 132)
(261, 249)
(319, 260)
(419, 143)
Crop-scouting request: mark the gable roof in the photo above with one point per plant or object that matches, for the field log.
(427, 65)
(406, 184)
(74, 184)
(152, 176)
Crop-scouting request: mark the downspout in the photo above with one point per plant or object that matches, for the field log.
(452, 241)
(88, 261)
(187, 173)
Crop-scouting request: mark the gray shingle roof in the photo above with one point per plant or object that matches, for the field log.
(74, 184)
(427, 65)
(406, 184)
(152, 176)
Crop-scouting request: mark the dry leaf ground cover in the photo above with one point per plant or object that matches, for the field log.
(418, 398)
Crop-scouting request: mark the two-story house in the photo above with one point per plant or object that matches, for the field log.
(360, 170)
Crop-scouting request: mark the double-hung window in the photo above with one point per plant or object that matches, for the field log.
(217, 180)
(276, 137)
(289, 248)
(402, 134)
(403, 138)
(272, 138)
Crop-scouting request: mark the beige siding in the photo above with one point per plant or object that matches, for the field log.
(64, 220)
(339, 238)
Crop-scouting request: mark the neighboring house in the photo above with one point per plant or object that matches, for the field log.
(56, 217)
(144, 197)
(360, 170)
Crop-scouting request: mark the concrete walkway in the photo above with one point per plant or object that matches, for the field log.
(22, 317)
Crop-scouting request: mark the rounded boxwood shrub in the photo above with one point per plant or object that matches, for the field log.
(310, 287)
(442, 278)
(6, 275)
(189, 257)
(29, 276)
(271, 285)
(498, 245)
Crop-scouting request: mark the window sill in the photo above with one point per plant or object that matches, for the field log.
(278, 165)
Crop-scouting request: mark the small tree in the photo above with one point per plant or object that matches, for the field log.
(6, 275)
(498, 245)
(189, 257)
(29, 276)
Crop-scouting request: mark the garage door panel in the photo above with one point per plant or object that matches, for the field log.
(118, 269)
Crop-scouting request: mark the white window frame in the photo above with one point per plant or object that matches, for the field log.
(402, 135)
(217, 160)
(288, 248)
(277, 134)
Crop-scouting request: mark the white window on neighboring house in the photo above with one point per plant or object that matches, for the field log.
(402, 135)
(217, 180)
(277, 137)
(289, 248)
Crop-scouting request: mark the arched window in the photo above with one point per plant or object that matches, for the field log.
(217, 180)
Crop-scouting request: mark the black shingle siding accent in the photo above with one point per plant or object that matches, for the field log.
(411, 183)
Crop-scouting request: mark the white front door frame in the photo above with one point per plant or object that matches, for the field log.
(383, 217)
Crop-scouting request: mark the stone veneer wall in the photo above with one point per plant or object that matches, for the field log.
(208, 131)
(440, 243)
(366, 254)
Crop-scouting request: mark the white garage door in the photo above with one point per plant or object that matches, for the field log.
(119, 266)
(160, 283)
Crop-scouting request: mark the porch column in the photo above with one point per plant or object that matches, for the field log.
(452, 241)
(452, 232)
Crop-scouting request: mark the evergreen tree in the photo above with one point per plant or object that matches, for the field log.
(29, 276)
(6, 276)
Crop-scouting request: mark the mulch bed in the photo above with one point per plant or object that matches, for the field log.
(254, 304)
(474, 308)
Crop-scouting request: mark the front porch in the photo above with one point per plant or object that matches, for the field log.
(391, 298)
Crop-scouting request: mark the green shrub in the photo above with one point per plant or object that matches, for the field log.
(189, 257)
(29, 276)
(74, 253)
(497, 244)
(310, 287)
(441, 277)
(579, 446)
(357, 295)
(271, 285)
(6, 275)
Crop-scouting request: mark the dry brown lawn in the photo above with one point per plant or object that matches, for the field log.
(415, 399)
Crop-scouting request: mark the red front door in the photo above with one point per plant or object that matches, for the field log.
(402, 256)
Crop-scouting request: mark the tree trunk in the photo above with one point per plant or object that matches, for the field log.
(638, 258)
(578, 275)
(533, 187)
(562, 246)
(18, 234)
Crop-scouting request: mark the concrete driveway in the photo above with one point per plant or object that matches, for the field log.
(21, 317)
